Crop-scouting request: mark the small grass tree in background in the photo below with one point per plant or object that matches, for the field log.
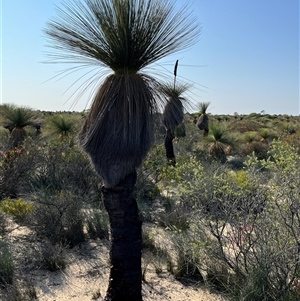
(218, 139)
(16, 119)
(124, 36)
(173, 114)
(61, 125)
(202, 122)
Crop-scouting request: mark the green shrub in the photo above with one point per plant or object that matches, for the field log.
(267, 134)
(6, 265)
(19, 208)
(97, 224)
(156, 252)
(59, 218)
(263, 244)
(176, 219)
(190, 261)
(180, 130)
(62, 167)
(259, 148)
(245, 222)
(154, 162)
(16, 168)
(245, 125)
(2, 223)
(250, 136)
(294, 140)
(53, 257)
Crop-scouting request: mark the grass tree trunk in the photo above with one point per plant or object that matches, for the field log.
(125, 280)
(169, 147)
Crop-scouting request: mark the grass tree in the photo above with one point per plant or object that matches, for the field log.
(218, 139)
(126, 36)
(173, 114)
(202, 122)
(62, 126)
(16, 119)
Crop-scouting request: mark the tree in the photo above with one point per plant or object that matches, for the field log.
(202, 122)
(173, 115)
(15, 119)
(125, 36)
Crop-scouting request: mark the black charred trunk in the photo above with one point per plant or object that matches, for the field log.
(125, 280)
(169, 147)
(205, 134)
(202, 124)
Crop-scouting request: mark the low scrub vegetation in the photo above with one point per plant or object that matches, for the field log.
(6, 265)
(229, 208)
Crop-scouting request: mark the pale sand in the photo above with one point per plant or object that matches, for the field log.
(86, 275)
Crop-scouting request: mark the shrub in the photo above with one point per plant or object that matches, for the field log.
(62, 167)
(156, 251)
(53, 257)
(13, 293)
(153, 163)
(261, 247)
(249, 233)
(180, 130)
(2, 223)
(288, 128)
(176, 218)
(146, 192)
(267, 134)
(16, 167)
(19, 208)
(245, 125)
(250, 136)
(259, 148)
(6, 265)
(58, 217)
(191, 260)
(97, 224)
(294, 140)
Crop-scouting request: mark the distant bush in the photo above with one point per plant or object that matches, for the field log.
(250, 136)
(294, 140)
(245, 125)
(260, 149)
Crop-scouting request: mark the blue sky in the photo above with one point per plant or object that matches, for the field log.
(247, 57)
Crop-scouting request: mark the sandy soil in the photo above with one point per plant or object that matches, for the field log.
(86, 275)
